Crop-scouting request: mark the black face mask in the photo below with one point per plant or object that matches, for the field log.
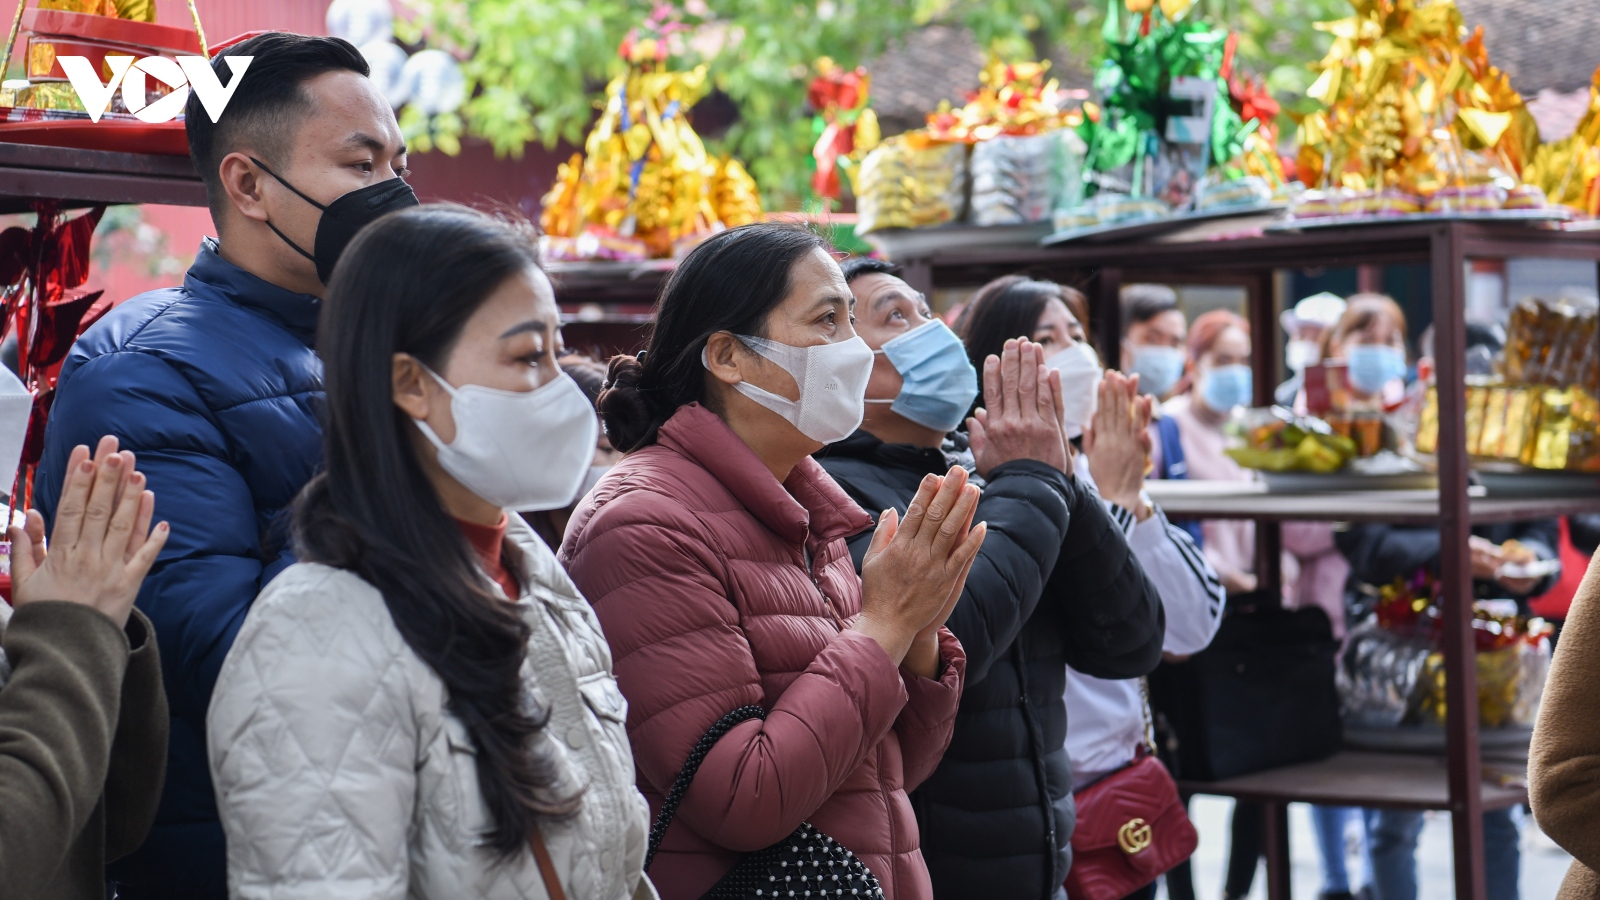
(345, 216)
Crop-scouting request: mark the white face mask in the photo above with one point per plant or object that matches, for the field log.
(520, 450)
(1301, 354)
(1080, 372)
(833, 385)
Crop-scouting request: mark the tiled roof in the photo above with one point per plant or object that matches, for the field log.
(938, 62)
(1540, 43)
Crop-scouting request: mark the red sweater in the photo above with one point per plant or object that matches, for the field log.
(696, 561)
(489, 543)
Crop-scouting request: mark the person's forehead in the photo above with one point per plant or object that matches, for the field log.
(815, 281)
(1172, 320)
(877, 284)
(1232, 339)
(524, 295)
(1056, 313)
(346, 107)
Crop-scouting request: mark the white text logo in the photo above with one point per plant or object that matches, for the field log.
(180, 74)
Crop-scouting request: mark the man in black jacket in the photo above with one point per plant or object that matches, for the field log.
(1055, 584)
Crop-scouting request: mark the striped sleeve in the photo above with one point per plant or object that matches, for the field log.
(1191, 592)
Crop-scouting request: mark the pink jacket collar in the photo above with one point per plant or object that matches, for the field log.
(808, 507)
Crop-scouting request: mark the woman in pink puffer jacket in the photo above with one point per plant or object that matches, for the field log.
(714, 556)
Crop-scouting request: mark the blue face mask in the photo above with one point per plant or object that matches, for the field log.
(1158, 368)
(940, 383)
(1374, 365)
(1225, 387)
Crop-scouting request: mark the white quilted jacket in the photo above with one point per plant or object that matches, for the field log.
(341, 774)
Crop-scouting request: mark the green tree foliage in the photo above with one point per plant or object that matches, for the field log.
(535, 68)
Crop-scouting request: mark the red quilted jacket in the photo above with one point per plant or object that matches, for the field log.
(705, 573)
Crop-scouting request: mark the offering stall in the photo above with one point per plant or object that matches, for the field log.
(1472, 771)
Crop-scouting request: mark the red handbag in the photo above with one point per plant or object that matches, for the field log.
(1132, 828)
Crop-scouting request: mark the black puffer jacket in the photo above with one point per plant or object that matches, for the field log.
(1055, 585)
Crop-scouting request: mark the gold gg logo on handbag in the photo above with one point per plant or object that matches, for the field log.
(1134, 836)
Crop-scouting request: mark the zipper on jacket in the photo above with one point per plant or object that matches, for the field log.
(817, 583)
(1041, 779)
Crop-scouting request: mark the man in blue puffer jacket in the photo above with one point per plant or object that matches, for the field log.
(215, 385)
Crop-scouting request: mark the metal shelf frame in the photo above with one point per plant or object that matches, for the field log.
(1251, 262)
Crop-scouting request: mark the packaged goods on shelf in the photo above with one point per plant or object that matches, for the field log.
(1006, 157)
(1540, 410)
(1023, 178)
(911, 181)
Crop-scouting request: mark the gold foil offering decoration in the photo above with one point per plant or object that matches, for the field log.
(1428, 425)
(1521, 406)
(1411, 102)
(644, 185)
(1569, 169)
(1477, 394)
(1494, 420)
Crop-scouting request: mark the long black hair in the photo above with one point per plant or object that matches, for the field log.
(408, 284)
(729, 283)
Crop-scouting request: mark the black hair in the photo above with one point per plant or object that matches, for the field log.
(1143, 302)
(1488, 335)
(1006, 308)
(588, 372)
(408, 284)
(857, 266)
(267, 106)
(728, 283)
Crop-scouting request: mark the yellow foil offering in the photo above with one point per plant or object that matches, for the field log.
(1408, 103)
(645, 178)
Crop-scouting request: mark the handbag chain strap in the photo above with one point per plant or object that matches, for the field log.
(669, 805)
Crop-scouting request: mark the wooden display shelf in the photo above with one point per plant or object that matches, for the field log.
(79, 178)
(1404, 507)
(1366, 779)
(609, 282)
(1251, 262)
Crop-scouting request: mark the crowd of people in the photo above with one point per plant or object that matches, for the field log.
(817, 592)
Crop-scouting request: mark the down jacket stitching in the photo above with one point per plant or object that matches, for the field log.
(359, 622)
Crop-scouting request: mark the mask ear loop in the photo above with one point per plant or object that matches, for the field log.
(424, 427)
(281, 236)
(879, 352)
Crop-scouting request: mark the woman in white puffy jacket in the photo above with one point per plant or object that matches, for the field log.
(423, 706)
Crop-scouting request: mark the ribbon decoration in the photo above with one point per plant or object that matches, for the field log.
(1408, 103)
(846, 128)
(645, 185)
(42, 271)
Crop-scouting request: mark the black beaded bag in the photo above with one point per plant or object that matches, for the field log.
(807, 863)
